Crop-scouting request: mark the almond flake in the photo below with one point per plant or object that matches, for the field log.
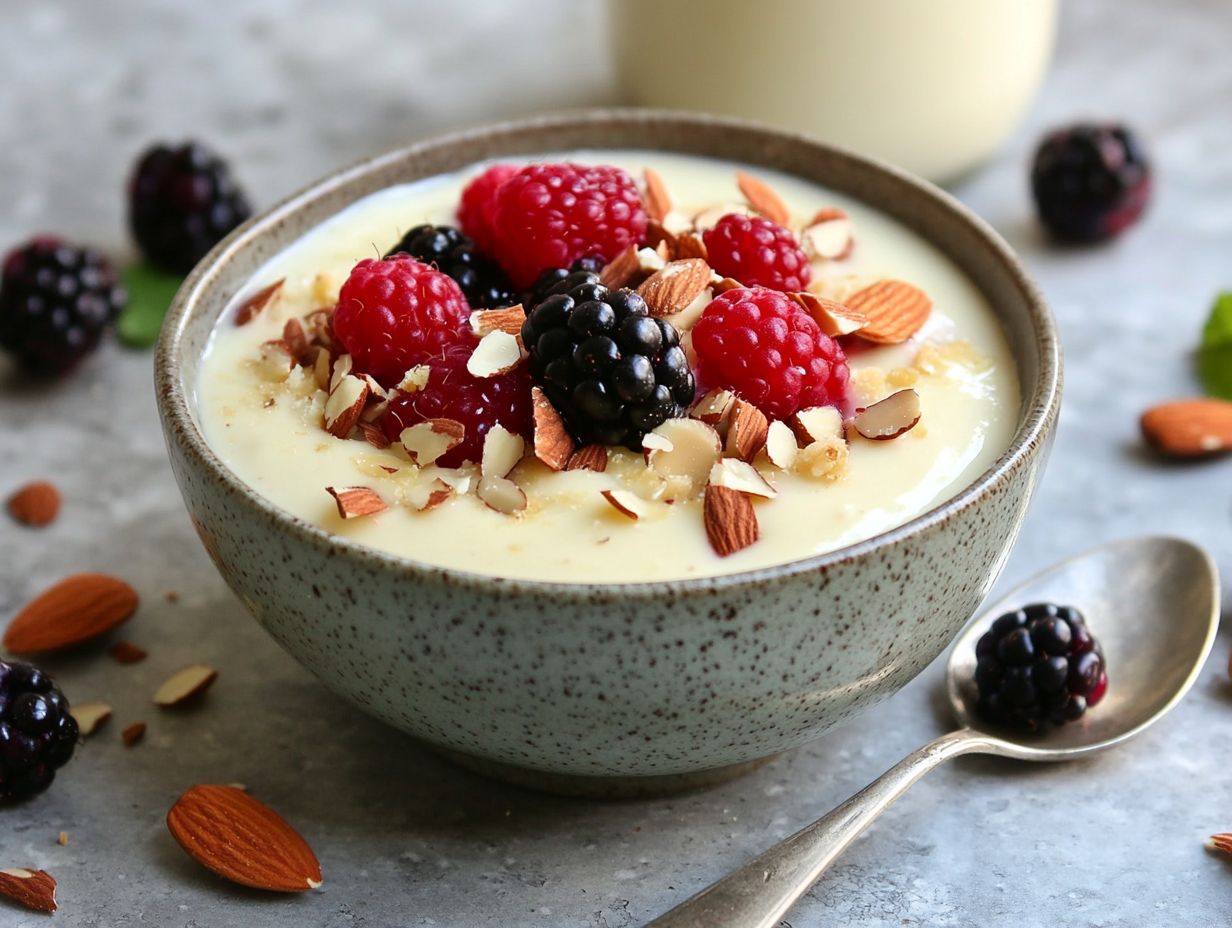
(742, 476)
(274, 362)
(553, 443)
(723, 284)
(829, 236)
(345, 405)
(341, 369)
(132, 734)
(501, 494)
(781, 446)
(62, 839)
(588, 457)
(430, 495)
(763, 198)
(657, 200)
(628, 504)
(652, 441)
(356, 502)
(374, 435)
(35, 504)
(715, 409)
(185, 686)
(258, 302)
(428, 440)
(321, 368)
(502, 450)
(1189, 428)
(319, 325)
(31, 889)
(125, 652)
(296, 340)
(678, 284)
(818, 423)
(507, 319)
(415, 379)
(889, 418)
(622, 270)
(708, 218)
(832, 317)
(690, 245)
(497, 353)
(695, 449)
(895, 311)
(89, 716)
(658, 239)
(746, 430)
(730, 521)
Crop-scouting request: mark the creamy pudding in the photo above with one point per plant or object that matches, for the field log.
(950, 391)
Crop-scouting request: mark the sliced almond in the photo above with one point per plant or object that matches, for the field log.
(763, 198)
(501, 494)
(319, 324)
(709, 217)
(658, 200)
(832, 317)
(357, 502)
(30, 889)
(723, 284)
(506, 319)
(621, 270)
(428, 440)
(895, 311)
(659, 239)
(296, 340)
(73, 611)
(274, 361)
(830, 236)
(678, 284)
(652, 442)
(496, 353)
(258, 303)
(889, 418)
(132, 734)
(817, 423)
(374, 435)
(321, 367)
(35, 504)
(415, 379)
(588, 457)
(729, 519)
(342, 367)
(125, 652)
(345, 405)
(430, 495)
(90, 716)
(626, 502)
(695, 447)
(553, 443)
(227, 831)
(746, 430)
(690, 245)
(1189, 428)
(715, 409)
(742, 476)
(502, 450)
(781, 446)
(185, 686)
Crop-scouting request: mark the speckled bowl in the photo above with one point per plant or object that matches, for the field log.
(620, 687)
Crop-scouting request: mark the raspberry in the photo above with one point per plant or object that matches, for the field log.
(757, 252)
(37, 734)
(1038, 667)
(181, 203)
(396, 313)
(759, 344)
(56, 303)
(483, 284)
(478, 403)
(549, 215)
(478, 205)
(1090, 182)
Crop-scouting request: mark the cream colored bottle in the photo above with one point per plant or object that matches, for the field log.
(934, 86)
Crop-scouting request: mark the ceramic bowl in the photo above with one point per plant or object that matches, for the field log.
(629, 686)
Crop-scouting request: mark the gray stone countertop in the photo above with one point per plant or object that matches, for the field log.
(290, 89)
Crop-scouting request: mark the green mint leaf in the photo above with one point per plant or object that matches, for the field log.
(150, 292)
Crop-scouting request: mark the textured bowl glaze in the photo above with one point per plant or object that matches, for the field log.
(596, 687)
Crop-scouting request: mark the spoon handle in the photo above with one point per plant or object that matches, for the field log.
(759, 894)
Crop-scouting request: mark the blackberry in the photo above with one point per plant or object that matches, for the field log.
(1090, 182)
(1039, 666)
(482, 282)
(181, 203)
(610, 369)
(37, 735)
(56, 303)
(554, 275)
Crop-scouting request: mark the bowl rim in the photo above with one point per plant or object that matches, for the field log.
(1042, 406)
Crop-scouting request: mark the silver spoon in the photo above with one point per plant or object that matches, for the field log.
(1153, 603)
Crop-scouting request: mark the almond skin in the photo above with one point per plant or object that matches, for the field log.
(1189, 428)
(32, 889)
(75, 610)
(894, 311)
(227, 831)
(730, 521)
(36, 504)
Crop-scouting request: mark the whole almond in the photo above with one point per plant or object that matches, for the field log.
(730, 521)
(32, 889)
(895, 311)
(1189, 428)
(227, 831)
(678, 284)
(73, 611)
(35, 504)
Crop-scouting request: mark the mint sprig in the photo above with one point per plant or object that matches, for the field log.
(1215, 353)
(150, 292)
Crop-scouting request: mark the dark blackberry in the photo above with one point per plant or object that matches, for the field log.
(56, 303)
(554, 275)
(612, 371)
(482, 282)
(1090, 182)
(37, 734)
(181, 203)
(1038, 667)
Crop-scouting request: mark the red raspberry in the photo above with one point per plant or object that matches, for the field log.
(549, 215)
(757, 252)
(478, 403)
(478, 205)
(762, 346)
(395, 313)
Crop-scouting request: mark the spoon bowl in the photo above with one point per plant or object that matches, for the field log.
(1153, 604)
